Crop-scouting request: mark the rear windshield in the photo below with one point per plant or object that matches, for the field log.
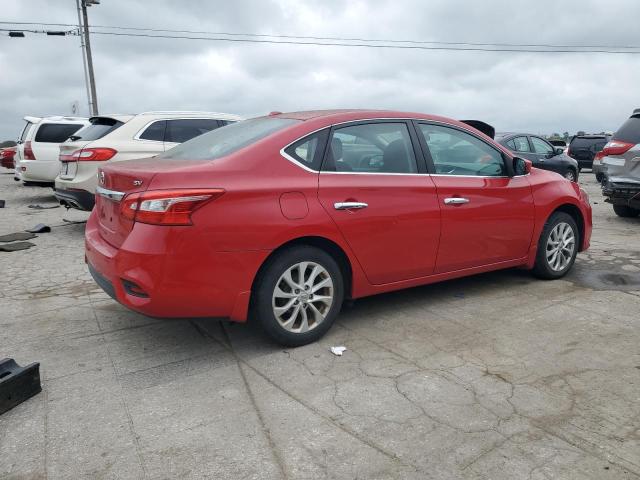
(596, 144)
(629, 131)
(56, 132)
(99, 128)
(227, 140)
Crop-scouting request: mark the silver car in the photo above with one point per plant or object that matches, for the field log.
(621, 168)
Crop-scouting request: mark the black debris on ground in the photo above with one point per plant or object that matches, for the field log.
(43, 207)
(14, 247)
(39, 228)
(12, 237)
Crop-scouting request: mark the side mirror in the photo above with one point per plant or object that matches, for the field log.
(559, 150)
(521, 166)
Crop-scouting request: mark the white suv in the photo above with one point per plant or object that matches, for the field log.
(36, 159)
(124, 137)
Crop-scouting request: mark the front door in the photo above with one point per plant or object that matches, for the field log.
(384, 207)
(487, 215)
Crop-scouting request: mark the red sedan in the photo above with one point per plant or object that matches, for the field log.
(280, 218)
(7, 155)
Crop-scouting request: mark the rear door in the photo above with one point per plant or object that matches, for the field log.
(374, 186)
(181, 130)
(487, 215)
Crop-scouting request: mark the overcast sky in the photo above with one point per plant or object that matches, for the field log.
(541, 93)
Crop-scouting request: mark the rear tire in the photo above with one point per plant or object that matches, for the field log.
(557, 247)
(571, 175)
(625, 211)
(298, 295)
(599, 177)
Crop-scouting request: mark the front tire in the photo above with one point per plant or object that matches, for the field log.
(625, 211)
(557, 247)
(298, 295)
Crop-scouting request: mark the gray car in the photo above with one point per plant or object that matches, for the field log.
(621, 168)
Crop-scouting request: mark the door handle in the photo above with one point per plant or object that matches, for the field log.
(455, 201)
(349, 205)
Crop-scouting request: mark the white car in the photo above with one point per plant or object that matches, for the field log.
(36, 159)
(111, 138)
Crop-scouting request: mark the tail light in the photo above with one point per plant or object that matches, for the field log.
(616, 147)
(28, 151)
(166, 207)
(599, 155)
(89, 155)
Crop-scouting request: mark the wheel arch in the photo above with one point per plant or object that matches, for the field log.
(575, 213)
(323, 243)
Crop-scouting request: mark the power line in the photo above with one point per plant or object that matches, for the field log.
(608, 48)
(364, 45)
(391, 44)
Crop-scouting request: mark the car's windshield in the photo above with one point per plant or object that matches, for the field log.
(227, 140)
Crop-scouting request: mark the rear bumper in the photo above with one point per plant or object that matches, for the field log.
(620, 192)
(79, 199)
(39, 170)
(170, 278)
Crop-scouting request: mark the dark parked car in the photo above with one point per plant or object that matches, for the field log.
(541, 153)
(621, 168)
(583, 148)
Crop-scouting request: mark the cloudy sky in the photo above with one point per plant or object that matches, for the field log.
(538, 92)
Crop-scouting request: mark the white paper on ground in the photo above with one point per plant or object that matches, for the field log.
(338, 350)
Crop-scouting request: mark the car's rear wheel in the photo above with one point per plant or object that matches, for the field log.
(571, 175)
(298, 295)
(599, 177)
(557, 247)
(626, 211)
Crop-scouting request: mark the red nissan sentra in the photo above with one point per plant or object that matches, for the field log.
(280, 218)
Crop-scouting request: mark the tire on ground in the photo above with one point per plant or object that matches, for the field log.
(262, 306)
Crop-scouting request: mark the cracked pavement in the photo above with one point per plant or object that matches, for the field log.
(496, 376)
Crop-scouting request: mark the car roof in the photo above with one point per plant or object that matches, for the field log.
(332, 117)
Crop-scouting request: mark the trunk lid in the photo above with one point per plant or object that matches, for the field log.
(117, 180)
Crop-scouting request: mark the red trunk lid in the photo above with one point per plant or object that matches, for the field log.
(125, 178)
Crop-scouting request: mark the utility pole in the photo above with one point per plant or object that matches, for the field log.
(85, 43)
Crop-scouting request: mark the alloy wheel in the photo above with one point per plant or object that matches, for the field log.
(302, 297)
(561, 244)
(570, 176)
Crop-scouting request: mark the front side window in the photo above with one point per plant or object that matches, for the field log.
(182, 130)
(308, 151)
(372, 148)
(455, 152)
(541, 147)
(225, 141)
(154, 132)
(521, 144)
(56, 132)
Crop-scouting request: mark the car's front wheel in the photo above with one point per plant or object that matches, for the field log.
(626, 211)
(298, 295)
(557, 247)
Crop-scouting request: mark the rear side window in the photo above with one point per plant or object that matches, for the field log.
(155, 131)
(629, 131)
(99, 127)
(182, 130)
(56, 132)
(25, 131)
(309, 150)
(521, 144)
(225, 141)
